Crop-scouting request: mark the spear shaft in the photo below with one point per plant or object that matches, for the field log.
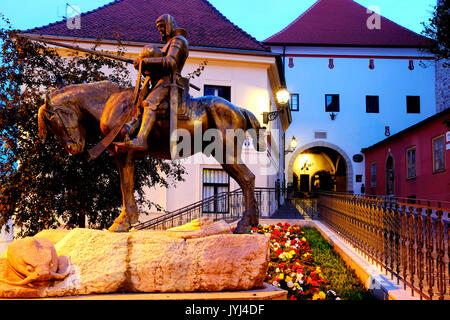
(77, 48)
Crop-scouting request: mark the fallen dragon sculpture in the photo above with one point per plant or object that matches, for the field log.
(34, 262)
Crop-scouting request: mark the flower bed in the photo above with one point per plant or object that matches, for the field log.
(298, 268)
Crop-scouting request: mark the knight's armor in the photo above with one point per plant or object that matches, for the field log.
(164, 70)
(170, 64)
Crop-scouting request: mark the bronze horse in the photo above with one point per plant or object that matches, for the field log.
(68, 110)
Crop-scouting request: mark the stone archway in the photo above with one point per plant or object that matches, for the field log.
(301, 149)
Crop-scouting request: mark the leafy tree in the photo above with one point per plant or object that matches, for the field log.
(438, 29)
(41, 185)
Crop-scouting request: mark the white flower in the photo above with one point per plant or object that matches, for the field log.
(337, 298)
(275, 284)
(290, 284)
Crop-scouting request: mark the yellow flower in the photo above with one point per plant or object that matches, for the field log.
(304, 239)
(281, 276)
(319, 296)
(288, 279)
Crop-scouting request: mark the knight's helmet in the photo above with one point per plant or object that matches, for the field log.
(170, 23)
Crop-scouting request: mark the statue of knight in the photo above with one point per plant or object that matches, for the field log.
(165, 69)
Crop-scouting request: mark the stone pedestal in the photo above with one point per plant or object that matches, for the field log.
(209, 259)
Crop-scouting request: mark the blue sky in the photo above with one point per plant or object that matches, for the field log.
(260, 18)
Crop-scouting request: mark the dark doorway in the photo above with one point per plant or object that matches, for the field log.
(304, 182)
(323, 180)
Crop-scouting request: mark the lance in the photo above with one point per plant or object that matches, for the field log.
(95, 151)
(90, 51)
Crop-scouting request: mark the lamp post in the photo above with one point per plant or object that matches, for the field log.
(292, 146)
(283, 97)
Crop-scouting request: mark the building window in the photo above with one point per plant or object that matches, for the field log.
(372, 104)
(215, 182)
(219, 91)
(331, 103)
(294, 102)
(412, 104)
(359, 178)
(411, 163)
(373, 174)
(438, 154)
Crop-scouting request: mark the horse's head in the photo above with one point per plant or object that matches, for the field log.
(64, 121)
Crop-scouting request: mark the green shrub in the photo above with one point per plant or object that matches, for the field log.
(340, 277)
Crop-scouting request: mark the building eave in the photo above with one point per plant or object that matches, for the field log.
(409, 129)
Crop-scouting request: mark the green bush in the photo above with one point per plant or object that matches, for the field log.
(339, 276)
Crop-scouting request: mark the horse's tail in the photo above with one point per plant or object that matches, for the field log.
(258, 137)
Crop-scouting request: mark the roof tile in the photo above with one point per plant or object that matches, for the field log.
(134, 20)
(344, 23)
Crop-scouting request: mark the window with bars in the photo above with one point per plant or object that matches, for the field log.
(438, 154)
(372, 104)
(411, 163)
(215, 182)
(294, 102)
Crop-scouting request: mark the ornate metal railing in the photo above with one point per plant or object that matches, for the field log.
(228, 206)
(408, 238)
(306, 206)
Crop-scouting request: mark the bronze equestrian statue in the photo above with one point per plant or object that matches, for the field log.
(66, 111)
(169, 65)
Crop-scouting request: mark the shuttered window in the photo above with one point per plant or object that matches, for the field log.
(438, 154)
(411, 163)
(215, 183)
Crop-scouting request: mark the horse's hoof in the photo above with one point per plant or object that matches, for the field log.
(119, 227)
(248, 221)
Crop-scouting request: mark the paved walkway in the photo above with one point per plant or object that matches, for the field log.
(287, 211)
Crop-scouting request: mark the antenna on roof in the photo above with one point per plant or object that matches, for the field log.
(75, 9)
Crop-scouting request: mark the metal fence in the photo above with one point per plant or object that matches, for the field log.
(407, 237)
(228, 206)
(306, 206)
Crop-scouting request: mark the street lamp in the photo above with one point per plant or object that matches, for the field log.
(292, 145)
(283, 97)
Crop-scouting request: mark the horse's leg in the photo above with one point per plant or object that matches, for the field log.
(246, 180)
(129, 214)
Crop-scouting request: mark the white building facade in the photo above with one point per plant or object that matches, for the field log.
(351, 87)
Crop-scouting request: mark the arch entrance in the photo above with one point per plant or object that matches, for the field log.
(320, 166)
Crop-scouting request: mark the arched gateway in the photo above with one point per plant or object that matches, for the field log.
(342, 185)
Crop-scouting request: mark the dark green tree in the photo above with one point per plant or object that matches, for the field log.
(438, 29)
(41, 185)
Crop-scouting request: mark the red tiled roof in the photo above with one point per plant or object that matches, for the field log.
(344, 23)
(134, 20)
